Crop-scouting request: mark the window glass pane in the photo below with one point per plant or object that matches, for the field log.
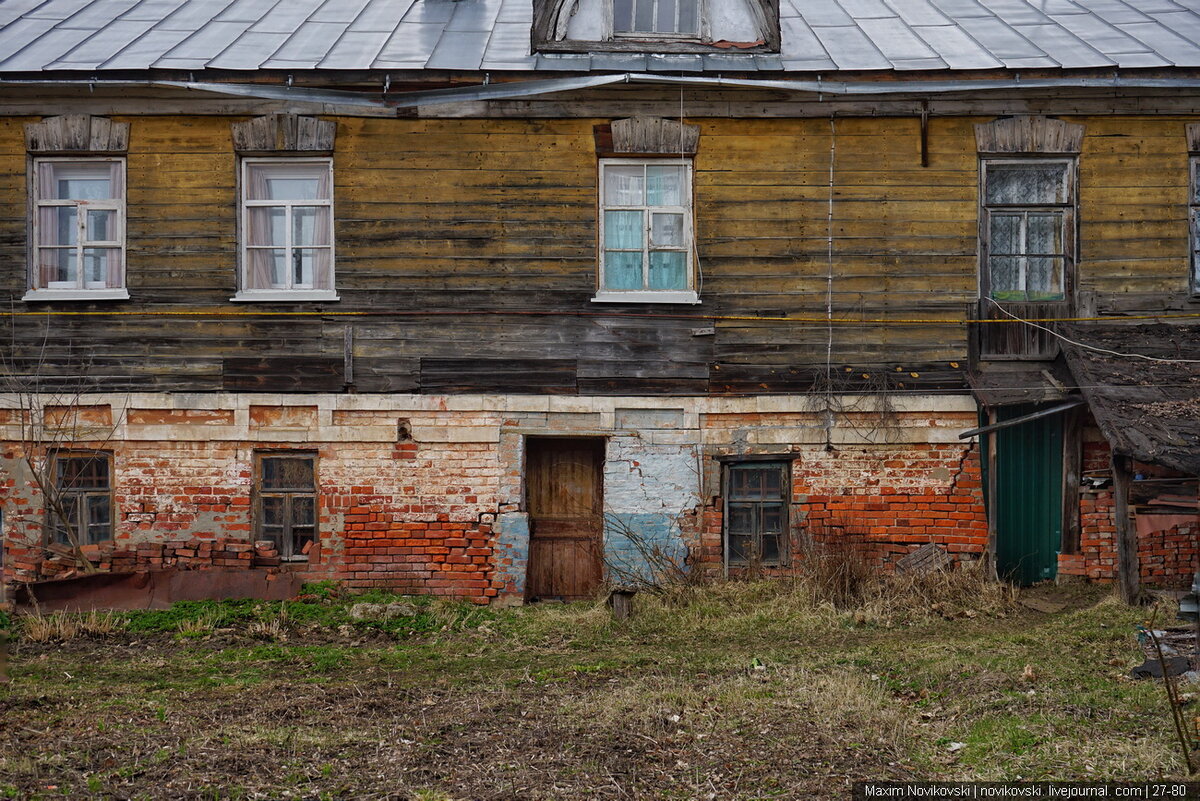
(623, 230)
(668, 269)
(66, 226)
(1043, 279)
(303, 265)
(1006, 277)
(266, 225)
(622, 16)
(664, 185)
(665, 22)
(272, 533)
(771, 518)
(101, 225)
(622, 270)
(769, 548)
(740, 547)
(98, 510)
(772, 483)
(644, 16)
(300, 538)
(741, 518)
(287, 472)
(57, 265)
(1005, 234)
(1027, 184)
(304, 510)
(82, 472)
(81, 181)
(309, 224)
(273, 510)
(624, 185)
(1043, 235)
(97, 263)
(666, 230)
(688, 16)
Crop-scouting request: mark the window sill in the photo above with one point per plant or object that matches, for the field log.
(648, 296)
(44, 295)
(285, 296)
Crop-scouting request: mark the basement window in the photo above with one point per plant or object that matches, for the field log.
(79, 511)
(285, 502)
(756, 513)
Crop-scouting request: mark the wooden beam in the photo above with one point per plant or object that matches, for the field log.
(1072, 466)
(1128, 577)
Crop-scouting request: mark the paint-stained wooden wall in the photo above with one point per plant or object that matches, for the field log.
(469, 247)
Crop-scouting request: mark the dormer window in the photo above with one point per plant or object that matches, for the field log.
(675, 18)
(729, 27)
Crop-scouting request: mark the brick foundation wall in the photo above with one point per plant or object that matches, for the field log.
(425, 494)
(1167, 558)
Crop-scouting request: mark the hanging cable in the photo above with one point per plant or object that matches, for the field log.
(1077, 344)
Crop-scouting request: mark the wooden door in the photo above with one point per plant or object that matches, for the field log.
(563, 479)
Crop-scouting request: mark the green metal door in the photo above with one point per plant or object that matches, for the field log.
(1029, 465)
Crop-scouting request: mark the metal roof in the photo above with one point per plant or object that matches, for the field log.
(95, 36)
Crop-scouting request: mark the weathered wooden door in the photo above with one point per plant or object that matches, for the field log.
(563, 479)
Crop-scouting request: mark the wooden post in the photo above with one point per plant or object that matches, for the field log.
(992, 515)
(1128, 577)
(621, 601)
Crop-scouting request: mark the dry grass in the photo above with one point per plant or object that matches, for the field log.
(66, 626)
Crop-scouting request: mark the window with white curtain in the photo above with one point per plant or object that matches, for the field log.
(78, 228)
(646, 236)
(1029, 213)
(286, 230)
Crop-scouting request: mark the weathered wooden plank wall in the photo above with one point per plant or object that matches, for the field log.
(471, 245)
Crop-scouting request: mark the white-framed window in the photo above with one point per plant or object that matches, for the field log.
(647, 249)
(1029, 217)
(78, 236)
(286, 229)
(675, 19)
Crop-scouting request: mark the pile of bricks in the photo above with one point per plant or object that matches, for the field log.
(60, 562)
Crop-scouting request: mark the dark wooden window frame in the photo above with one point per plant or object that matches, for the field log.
(1194, 225)
(77, 497)
(286, 544)
(1069, 209)
(783, 464)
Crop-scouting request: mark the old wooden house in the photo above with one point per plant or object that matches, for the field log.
(497, 298)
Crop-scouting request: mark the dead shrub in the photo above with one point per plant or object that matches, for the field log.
(67, 626)
(835, 570)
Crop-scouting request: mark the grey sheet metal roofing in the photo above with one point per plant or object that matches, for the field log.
(98, 36)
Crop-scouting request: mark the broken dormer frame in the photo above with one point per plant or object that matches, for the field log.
(551, 19)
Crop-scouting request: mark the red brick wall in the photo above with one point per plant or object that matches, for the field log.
(394, 515)
(1166, 558)
(885, 500)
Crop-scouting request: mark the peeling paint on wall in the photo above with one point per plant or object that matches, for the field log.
(648, 489)
(512, 552)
